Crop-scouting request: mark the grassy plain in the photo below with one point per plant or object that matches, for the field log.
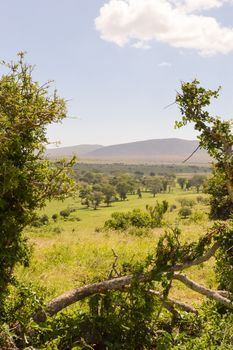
(72, 252)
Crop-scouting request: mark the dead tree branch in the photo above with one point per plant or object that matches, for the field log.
(174, 303)
(209, 293)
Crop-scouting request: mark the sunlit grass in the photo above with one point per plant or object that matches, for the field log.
(70, 253)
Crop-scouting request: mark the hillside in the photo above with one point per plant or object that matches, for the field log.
(154, 151)
(79, 151)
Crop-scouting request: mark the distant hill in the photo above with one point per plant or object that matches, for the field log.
(154, 151)
(67, 152)
(159, 150)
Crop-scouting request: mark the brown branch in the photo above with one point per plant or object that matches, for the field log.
(174, 303)
(198, 260)
(209, 293)
(184, 161)
(119, 283)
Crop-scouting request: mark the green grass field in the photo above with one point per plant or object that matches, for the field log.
(70, 253)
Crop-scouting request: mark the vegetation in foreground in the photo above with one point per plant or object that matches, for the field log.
(130, 305)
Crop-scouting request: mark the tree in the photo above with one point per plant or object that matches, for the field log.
(122, 189)
(27, 179)
(220, 204)
(154, 184)
(84, 194)
(196, 181)
(96, 198)
(182, 182)
(109, 193)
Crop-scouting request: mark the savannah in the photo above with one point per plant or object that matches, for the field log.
(117, 259)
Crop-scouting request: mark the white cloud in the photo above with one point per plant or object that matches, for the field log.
(164, 64)
(179, 23)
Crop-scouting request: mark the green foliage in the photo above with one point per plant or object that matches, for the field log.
(185, 212)
(157, 213)
(182, 182)
(122, 221)
(210, 330)
(220, 204)
(44, 219)
(196, 181)
(27, 180)
(55, 217)
(186, 202)
(137, 218)
(65, 213)
(224, 264)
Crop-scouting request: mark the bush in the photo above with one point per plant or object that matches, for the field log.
(44, 219)
(55, 217)
(65, 213)
(139, 218)
(118, 221)
(185, 212)
(186, 202)
(197, 216)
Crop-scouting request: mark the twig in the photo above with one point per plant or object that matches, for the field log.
(184, 161)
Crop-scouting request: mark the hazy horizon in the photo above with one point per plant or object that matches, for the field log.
(119, 143)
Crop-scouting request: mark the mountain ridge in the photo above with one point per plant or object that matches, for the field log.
(169, 150)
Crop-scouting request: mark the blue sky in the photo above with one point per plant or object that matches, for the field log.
(120, 62)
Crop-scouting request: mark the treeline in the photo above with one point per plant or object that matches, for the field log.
(142, 169)
(96, 187)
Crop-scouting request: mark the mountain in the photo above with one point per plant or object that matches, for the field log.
(154, 151)
(159, 150)
(67, 152)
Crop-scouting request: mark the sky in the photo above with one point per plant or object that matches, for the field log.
(119, 63)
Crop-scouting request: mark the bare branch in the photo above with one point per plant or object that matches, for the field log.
(119, 283)
(174, 303)
(203, 290)
(184, 161)
(198, 260)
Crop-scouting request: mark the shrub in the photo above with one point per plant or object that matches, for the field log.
(65, 213)
(185, 212)
(55, 217)
(157, 213)
(44, 219)
(186, 202)
(139, 219)
(118, 221)
(197, 216)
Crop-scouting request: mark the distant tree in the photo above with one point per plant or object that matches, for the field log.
(84, 194)
(154, 184)
(122, 189)
(109, 193)
(96, 198)
(182, 182)
(139, 193)
(196, 181)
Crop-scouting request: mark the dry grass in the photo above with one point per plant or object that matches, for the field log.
(69, 253)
